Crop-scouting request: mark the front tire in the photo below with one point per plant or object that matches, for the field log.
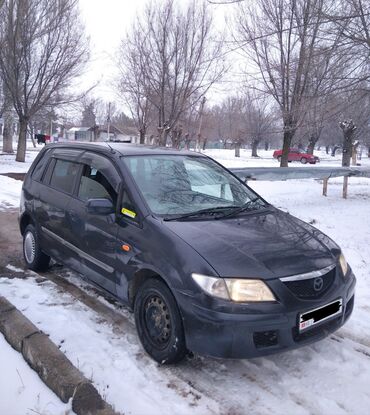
(279, 159)
(34, 257)
(303, 160)
(158, 322)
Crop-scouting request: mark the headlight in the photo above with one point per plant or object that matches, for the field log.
(238, 290)
(248, 290)
(212, 285)
(343, 264)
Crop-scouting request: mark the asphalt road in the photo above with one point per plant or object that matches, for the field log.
(10, 240)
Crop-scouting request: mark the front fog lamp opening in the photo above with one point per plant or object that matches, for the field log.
(244, 290)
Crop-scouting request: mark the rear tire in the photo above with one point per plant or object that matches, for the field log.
(33, 256)
(303, 160)
(158, 322)
(279, 159)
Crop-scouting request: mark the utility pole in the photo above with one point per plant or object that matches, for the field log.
(108, 121)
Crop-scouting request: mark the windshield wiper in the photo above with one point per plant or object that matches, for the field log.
(208, 211)
(246, 206)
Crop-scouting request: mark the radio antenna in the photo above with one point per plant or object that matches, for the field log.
(111, 149)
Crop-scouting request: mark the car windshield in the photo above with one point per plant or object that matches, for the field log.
(182, 185)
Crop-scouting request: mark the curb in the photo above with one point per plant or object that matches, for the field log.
(53, 367)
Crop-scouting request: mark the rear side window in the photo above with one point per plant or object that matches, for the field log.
(64, 175)
(40, 166)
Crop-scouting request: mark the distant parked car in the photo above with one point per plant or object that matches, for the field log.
(297, 155)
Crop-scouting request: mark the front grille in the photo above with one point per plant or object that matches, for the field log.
(310, 288)
(318, 331)
(265, 338)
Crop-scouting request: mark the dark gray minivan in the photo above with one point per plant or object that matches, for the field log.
(206, 264)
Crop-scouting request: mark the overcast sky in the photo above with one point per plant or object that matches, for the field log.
(106, 21)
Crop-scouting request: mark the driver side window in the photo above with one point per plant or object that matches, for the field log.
(94, 185)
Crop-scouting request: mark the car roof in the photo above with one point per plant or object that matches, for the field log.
(125, 149)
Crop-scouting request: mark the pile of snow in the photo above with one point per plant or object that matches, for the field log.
(22, 391)
(10, 192)
(115, 362)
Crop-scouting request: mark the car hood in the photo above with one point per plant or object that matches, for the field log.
(264, 245)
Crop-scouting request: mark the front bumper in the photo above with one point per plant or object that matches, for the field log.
(260, 332)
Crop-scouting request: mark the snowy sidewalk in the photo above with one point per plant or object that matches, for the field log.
(22, 391)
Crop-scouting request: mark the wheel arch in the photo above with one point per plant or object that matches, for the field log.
(25, 220)
(138, 280)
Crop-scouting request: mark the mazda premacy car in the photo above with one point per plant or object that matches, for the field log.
(205, 263)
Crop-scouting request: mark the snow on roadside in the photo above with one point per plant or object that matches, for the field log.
(10, 192)
(265, 159)
(28, 393)
(9, 165)
(116, 363)
(329, 377)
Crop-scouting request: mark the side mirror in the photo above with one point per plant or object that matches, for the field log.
(100, 206)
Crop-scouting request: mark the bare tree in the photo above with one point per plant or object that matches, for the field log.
(353, 19)
(281, 37)
(259, 120)
(43, 50)
(233, 109)
(172, 57)
(348, 128)
(131, 82)
(8, 115)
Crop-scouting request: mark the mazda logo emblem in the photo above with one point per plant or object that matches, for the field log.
(318, 284)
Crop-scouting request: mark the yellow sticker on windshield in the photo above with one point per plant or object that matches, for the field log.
(128, 212)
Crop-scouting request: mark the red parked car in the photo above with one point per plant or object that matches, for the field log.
(297, 155)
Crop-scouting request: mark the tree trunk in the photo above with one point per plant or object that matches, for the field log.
(8, 133)
(288, 136)
(197, 143)
(22, 140)
(334, 150)
(237, 149)
(348, 128)
(32, 135)
(327, 148)
(187, 142)
(254, 148)
(267, 145)
(142, 135)
(204, 143)
(354, 154)
(311, 145)
(163, 136)
(347, 153)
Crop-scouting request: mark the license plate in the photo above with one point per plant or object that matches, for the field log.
(320, 314)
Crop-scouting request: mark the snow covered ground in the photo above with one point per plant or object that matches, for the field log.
(22, 391)
(10, 191)
(265, 159)
(9, 165)
(330, 377)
